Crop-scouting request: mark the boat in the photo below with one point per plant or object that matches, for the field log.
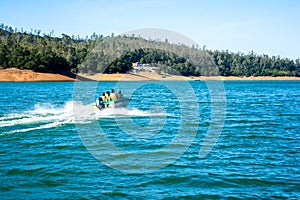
(119, 103)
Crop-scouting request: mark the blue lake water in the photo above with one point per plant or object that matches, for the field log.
(54, 144)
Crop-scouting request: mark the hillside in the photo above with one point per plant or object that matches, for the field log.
(99, 54)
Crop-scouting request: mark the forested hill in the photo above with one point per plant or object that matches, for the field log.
(46, 53)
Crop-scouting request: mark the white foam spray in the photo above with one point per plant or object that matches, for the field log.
(47, 115)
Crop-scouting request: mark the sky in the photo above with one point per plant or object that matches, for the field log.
(266, 27)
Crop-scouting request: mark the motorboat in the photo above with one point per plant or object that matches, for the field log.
(118, 103)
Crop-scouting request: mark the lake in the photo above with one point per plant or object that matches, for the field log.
(176, 139)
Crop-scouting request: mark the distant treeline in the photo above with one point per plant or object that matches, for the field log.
(47, 53)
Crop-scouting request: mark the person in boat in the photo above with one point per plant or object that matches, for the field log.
(108, 98)
(120, 95)
(104, 99)
(113, 95)
(99, 103)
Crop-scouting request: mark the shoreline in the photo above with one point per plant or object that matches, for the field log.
(17, 75)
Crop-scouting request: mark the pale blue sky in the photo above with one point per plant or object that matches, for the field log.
(269, 26)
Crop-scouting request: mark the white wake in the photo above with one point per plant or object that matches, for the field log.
(45, 116)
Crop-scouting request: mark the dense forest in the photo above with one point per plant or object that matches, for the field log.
(96, 53)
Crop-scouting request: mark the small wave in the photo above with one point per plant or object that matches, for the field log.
(50, 125)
